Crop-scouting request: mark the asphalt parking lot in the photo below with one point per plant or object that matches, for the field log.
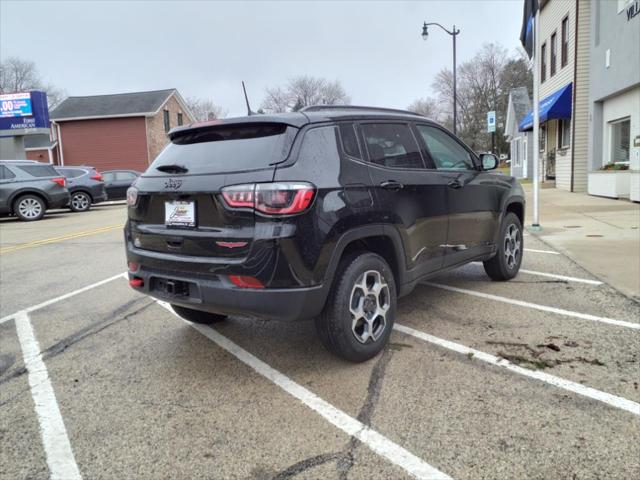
(534, 378)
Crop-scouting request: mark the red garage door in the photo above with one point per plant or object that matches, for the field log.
(105, 144)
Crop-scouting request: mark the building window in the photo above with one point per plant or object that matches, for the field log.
(564, 55)
(543, 138)
(620, 140)
(179, 119)
(564, 133)
(543, 62)
(554, 55)
(167, 121)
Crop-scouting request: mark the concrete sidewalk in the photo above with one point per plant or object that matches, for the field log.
(602, 235)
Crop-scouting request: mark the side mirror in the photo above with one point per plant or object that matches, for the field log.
(489, 161)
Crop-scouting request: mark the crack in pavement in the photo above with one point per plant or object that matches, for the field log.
(110, 319)
(345, 458)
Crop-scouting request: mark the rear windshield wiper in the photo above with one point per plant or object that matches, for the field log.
(173, 168)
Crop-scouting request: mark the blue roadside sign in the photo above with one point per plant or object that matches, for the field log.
(23, 113)
(491, 122)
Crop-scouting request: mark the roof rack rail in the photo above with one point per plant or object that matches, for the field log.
(320, 108)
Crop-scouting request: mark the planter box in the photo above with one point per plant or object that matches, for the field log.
(612, 184)
(634, 194)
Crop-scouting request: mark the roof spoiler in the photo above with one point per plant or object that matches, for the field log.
(296, 121)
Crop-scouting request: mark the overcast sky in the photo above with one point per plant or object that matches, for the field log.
(205, 48)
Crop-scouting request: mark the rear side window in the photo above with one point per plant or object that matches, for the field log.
(125, 176)
(229, 148)
(349, 140)
(319, 148)
(392, 145)
(5, 173)
(108, 177)
(71, 172)
(39, 170)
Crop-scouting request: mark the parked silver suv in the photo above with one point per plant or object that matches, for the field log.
(29, 188)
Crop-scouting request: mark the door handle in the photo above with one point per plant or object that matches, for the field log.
(392, 185)
(455, 184)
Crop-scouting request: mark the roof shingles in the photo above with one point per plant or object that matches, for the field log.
(111, 105)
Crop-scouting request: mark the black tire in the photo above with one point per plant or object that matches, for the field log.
(507, 260)
(80, 202)
(29, 208)
(197, 316)
(335, 325)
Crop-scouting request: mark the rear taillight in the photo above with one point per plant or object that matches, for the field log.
(239, 196)
(281, 198)
(59, 181)
(132, 196)
(97, 177)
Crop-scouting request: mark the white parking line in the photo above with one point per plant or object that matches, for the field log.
(554, 275)
(562, 277)
(61, 297)
(60, 459)
(609, 399)
(377, 442)
(535, 306)
(551, 252)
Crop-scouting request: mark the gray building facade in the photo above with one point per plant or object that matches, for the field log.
(614, 95)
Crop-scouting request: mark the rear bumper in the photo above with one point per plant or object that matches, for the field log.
(58, 199)
(98, 193)
(218, 295)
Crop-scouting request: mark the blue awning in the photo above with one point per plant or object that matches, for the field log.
(556, 105)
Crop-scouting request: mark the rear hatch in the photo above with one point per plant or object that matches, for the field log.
(179, 207)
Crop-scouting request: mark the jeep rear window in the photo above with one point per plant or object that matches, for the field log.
(231, 148)
(39, 170)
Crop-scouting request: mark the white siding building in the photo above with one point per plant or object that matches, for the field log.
(563, 61)
(520, 143)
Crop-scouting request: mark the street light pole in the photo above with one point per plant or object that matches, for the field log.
(454, 33)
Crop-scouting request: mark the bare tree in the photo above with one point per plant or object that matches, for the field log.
(276, 100)
(204, 109)
(18, 75)
(303, 91)
(484, 83)
(427, 107)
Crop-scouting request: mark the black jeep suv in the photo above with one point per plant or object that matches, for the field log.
(330, 213)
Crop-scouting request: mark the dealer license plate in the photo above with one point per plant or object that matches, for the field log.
(180, 213)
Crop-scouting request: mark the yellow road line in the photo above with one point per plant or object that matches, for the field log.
(62, 238)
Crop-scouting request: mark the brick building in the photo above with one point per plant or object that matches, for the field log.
(40, 148)
(126, 130)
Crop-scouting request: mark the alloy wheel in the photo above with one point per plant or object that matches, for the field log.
(512, 246)
(370, 301)
(30, 208)
(80, 201)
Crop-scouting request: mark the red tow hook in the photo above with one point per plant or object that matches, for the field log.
(136, 282)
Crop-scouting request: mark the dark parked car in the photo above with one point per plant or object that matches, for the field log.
(29, 188)
(330, 213)
(118, 181)
(85, 187)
